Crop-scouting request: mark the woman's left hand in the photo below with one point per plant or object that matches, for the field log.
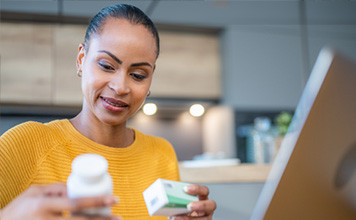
(202, 209)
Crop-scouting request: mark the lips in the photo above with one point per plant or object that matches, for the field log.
(114, 102)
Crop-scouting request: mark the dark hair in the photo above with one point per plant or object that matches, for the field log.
(125, 11)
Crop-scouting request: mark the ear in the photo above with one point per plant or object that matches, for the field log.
(80, 56)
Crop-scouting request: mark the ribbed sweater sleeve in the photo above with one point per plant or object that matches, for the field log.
(21, 150)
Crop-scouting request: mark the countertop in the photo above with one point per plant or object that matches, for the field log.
(243, 172)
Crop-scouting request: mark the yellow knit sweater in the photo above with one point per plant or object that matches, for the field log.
(36, 153)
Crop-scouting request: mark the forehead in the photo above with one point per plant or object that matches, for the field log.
(121, 30)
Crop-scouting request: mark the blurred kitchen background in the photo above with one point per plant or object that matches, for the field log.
(239, 60)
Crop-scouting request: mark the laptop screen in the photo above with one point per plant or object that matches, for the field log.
(314, 173)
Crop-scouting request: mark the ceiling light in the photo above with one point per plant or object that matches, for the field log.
(197, 110)
(150, 109)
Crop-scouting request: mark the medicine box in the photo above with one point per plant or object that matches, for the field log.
(167, 198)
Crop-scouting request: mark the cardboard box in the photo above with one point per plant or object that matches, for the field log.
(167, 198)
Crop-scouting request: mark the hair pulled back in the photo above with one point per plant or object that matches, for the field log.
(121, 11)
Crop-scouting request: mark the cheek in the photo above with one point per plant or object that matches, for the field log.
(141, 95)
(140, 102)
(91, 84)
(86, 85)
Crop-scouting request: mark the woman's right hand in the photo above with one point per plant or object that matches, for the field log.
(49, 203)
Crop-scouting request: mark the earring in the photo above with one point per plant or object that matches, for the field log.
(79, 73)
(149, 93)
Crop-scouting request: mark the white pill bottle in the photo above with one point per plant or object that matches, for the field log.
(90, 178)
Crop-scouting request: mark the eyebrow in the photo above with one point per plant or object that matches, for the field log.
(120, 61)
(141, 64)
(111, 55)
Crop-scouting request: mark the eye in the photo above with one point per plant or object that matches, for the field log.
(138, 77)
(105, 66)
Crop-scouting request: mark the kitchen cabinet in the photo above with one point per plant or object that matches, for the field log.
(67, 84)
(188, 66)
(26, 63)
(38, 64)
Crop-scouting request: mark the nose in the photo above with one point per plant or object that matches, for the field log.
(119, 83)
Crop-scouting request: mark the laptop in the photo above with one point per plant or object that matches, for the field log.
(314, 173)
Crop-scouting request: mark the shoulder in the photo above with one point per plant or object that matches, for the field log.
(29, 128)
(30, 135)
(27, 143)
(37, 129)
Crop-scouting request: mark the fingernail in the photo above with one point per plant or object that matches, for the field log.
(192, 206)
(188, 188)
(116, 199)
(111, 200)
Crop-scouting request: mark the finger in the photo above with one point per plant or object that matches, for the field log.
(198, 214)
(59, 204)
(92, 202)
(191, 214)
(52, 189)
(178, 217)
(207, 206)
(94, 218)
(201, 191)
(57, 189)
(34, 190)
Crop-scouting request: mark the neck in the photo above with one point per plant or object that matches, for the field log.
(118, 136)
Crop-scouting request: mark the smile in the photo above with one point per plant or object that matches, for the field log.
(118, 104)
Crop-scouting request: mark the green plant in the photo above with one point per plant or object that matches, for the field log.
(283, 121)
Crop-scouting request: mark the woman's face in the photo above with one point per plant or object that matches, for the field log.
(117, 71)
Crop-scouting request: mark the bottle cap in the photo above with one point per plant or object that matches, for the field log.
(89, 166)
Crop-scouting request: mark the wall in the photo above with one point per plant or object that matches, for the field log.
(262, 66)
(266, 66)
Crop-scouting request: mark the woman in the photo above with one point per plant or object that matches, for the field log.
(116, 63)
